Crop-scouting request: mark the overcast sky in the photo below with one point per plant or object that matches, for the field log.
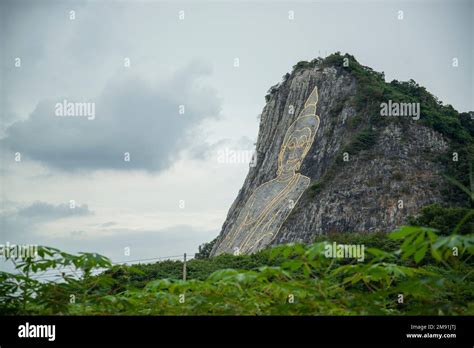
(173, 194)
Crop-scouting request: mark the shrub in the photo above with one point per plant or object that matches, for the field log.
(264, 283)
(445, 220)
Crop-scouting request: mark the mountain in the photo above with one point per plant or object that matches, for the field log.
(340, 149)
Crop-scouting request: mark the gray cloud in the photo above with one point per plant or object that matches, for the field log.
(143, 244)
(107, 224)
(18, 223)
(204, 151)
(45, 211)
(132, 116)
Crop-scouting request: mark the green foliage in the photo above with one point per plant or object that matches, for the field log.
(302, 65)
(199, 269)
(362, 141)
(379, 240)
(460, 176)
(292, 279)
(373, 90)
(457, 127)
(205, 250)
(446, 220)
(25, 293)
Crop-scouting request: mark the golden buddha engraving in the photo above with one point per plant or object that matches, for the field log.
(270, 204)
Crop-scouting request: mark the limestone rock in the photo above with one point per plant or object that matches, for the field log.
(375, 190)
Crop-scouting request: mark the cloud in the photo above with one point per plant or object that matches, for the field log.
(20, 223)
(44, 211)
(132, 116)
(107, 224)
(210, 151)
(142, 243)
(27, 225)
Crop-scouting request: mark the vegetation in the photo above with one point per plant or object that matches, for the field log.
(445, 219)
(372, 91)
(363, 141)
(433, 273)
(205, 250)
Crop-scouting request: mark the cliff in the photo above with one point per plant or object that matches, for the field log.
(367, 171)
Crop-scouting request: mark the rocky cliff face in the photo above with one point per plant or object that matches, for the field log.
(353, 188)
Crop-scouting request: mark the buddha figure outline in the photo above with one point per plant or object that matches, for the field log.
(270, 204)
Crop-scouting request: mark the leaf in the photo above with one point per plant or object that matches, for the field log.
(222, 274)
(380, 254)
(420, 254)
(409, 251)
(292, 265)
(407, 241)
(436, 254)
(420, 238)
(316, 250)
(432, 236)
(403, 232)
(158, 284)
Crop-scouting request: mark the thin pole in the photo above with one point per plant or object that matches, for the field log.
(184, 267)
